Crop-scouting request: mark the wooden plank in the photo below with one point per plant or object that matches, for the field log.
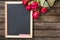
(3, 38)
(2, 4)
(11, 39)
(40, 26)
(47, 33)
(33, 39)
(44, 39)
(2, 33)
(2, 20)
(47, 26)
(2, 15)
(51, 38)
(57, 3)
(2, 26)
(2, 12)
(41, 33)
(48, 19)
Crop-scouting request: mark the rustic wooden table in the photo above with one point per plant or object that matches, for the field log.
(47, 27)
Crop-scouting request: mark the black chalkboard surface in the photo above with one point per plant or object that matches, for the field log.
(18, 20)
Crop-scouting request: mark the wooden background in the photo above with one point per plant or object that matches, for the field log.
(47, 27)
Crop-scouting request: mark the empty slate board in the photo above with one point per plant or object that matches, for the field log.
(18, 20)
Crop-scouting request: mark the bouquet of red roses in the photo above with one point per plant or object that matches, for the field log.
(38, 6)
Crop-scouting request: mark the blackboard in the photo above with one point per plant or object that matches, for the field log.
(18, 20)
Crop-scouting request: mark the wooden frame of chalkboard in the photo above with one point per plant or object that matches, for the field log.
(6, 22)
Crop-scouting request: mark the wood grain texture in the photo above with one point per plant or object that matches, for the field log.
(2, 26)
(40, 26)
(41, 33)
(48, 19)
(2, 32)
(47, 33)
(43, 39)
(47, 27)
(12, 39)
(2, 38)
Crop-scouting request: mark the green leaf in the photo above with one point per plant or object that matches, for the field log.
(51, 2)
(41, 2)
(45, 4)
(34, 0)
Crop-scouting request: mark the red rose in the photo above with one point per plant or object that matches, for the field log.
(34, 5)
(44, 10)
(28, 7)
(25, 2)
(36, 15)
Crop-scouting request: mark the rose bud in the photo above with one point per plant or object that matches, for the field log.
(25, 2)
(28, 7)
(36, 15)
(44, 10)
(34, 5)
